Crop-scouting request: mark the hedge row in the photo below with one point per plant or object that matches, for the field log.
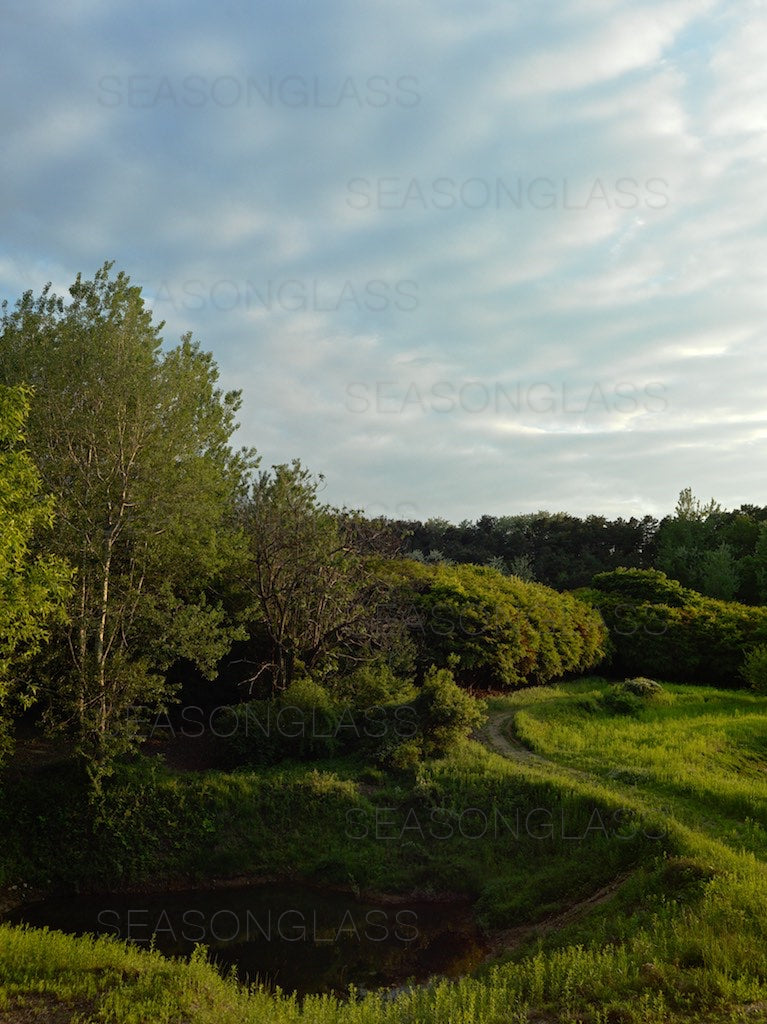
(504, 630)
(661, 629)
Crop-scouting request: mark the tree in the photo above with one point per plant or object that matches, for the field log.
(719, 575)
(503, 630)
(312, 586)
(32, 588)
(691, 509)
(522, 566)
(445, 712)
(760, 563)
(133, 443)
(684, 539)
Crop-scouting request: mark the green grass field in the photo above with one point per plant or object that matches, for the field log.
(665, 799)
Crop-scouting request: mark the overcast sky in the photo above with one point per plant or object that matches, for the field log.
(461, 258)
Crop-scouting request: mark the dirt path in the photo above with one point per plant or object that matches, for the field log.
(511, 938)
(495, 735)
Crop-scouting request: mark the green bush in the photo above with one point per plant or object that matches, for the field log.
(699, 641)
(304, 723)
(620, 701)
(755, 668)
(405, 757)
(368, 685)
(307, 723)
(645, 585)
(642, 687)
(588, 705)
(445, 712)
(504, 630)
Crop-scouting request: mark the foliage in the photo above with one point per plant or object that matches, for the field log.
(626, 698)
(642, 687)
(755, 668)
(445, 712)
(369, 685)
(681, 939)
(310, 583)
(308, 722)
(760, 564)
(690, 509)
(666, 631)
(693, 547)
(504, 630)
(718, 573)
(620, 701)
(720, 553)
(644, 585)
(33, 588)
(557, 549)
(133, 443)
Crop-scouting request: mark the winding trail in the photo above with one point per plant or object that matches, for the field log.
(509, 939)
(494, 735)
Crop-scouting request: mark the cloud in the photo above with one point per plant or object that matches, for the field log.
(404, 229)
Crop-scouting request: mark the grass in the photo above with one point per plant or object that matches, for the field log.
(683, 939)
(473, 823)
(699, 753)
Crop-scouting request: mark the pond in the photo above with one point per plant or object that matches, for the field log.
(295, 937)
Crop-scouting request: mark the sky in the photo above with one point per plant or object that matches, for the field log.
(461, 258)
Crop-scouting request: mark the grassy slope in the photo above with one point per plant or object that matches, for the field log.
(699, 753)
(683, 940)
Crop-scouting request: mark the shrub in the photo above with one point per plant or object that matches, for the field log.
(247, 736)
(588, 705)
(307, 723)
(645, 585)
(372, 776)
(405, 757)
(642, 687)
(754, 669)
(445, 711)
(369, 685)
(699, 641)
(303, 723)
(620, 701)
(505, 631)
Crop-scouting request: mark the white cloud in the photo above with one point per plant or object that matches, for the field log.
(237, 220)
(633, 38)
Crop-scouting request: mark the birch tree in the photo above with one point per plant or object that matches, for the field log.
(133, 442)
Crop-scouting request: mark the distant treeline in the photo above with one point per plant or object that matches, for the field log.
(722, 554)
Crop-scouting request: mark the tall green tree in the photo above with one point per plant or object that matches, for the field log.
(690, 509)
(133, 442)
(719, 574)
(33, 588)
(684, 540)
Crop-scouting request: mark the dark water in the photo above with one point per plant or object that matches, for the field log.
(293, 937)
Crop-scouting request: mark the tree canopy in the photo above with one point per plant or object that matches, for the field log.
(310, 577)
(33, 587)
(133, 442)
